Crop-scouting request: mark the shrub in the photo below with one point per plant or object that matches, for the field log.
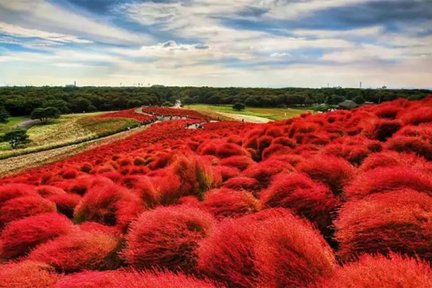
(144, 188)
(167, 237)
(20, 236)
(126, 279)
(243, 183)
(22, 207)
(380, 271)
(229, 203)
(108, 204)
(394, 221)
(389, 179)
(228, 253)
(27, 274)
(333, 171)
(240, 162)
(265, 170)
(291, 253)
(13, 190)
(65, 203)
(298, 192)
(393, 159)
(79, 251)
(47, 191)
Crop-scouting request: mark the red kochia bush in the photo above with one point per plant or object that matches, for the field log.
(27, 274)
(243, 183)
(396, 221)
(240, 162)
(79, 251)
(20, 236)
(167, 237)
(13, 190)
(108, 204)
(380, 271)
(333, 171)
(65, 203)
(227, 255)
(305, 197)
(392, 159)
(22, 207)
(130, 279)
(229, 203)
(291, 253)
(389, 179)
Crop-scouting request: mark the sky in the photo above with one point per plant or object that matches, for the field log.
(241, 43)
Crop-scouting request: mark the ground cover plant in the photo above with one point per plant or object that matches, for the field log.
(337, 199)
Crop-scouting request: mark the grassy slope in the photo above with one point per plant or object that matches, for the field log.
(68, 129)
(4, 127)
(269, 113)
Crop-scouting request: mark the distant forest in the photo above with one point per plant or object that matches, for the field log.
(23, 100)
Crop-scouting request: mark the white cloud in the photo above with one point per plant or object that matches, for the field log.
(45, 16)
(18, 31)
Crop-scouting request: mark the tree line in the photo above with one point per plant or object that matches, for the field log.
(18, 101)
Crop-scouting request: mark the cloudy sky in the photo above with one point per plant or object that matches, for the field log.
(266, 43)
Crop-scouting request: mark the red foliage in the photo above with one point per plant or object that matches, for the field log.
(167, 237)
(229, 203)
(65, 203)
(393, 159)
(387, 179)
(396, 221)
(291, 253)
(22, 207)
(380, 271)
(306, 198)
(79, 251)
(240, 162)
(108, 204)
(27, 274)
(227, 255)
(265, 170)
(13, 190)
(130, 279)
(243, 183)
(20, 236)
(333, 171)
(131, 114)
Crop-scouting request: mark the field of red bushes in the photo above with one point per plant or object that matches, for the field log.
(338, 199)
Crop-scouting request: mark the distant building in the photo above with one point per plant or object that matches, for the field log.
(71, 85)
(348, 104)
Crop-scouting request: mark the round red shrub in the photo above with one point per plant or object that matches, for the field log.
(46, 190)
(228, 255)
(240, 162)
(144, 188)
(13, 190)
(380, 271)
(396, 221)
(90, 226)
(243, 183)
(305, 197)
(167, 237)
(27, 274)
(389, 179)
(20, 236)
(393, 159)
(22, 207)
(291, 253)
(225, 202)
(130, 279)
(65, 203)
(108, 204)
(265, 170)
(79, 251)
(333, 171)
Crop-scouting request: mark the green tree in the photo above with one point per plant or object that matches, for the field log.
(168, 104)
(16, 138)
(239, 106)
(4, 114)
(45, 114)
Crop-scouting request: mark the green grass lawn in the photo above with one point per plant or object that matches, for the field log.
(66, 130)
(269, 113)
(4, 127)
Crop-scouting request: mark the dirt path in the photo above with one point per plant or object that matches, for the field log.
(26, 124)
(246, 118)
(15, 164)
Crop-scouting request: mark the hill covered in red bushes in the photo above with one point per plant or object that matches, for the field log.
(338, 199)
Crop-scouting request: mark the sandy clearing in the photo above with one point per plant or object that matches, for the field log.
(247, 118)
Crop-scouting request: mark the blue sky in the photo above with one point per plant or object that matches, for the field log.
(253, 43)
